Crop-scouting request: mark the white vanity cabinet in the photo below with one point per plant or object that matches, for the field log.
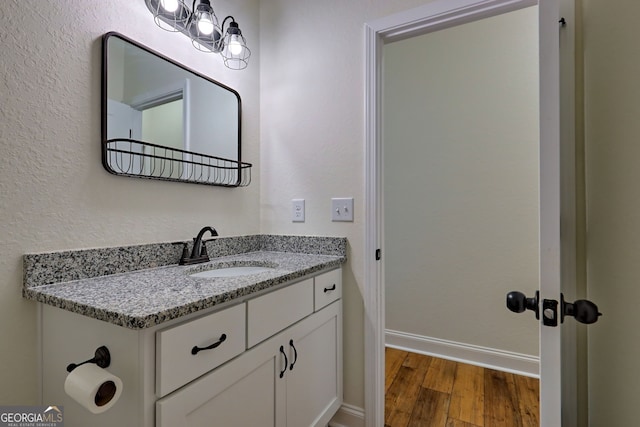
(293, 378)
(280, 363)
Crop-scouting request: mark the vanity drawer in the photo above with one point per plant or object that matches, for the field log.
(328, 288)
(176, 364)
(271, 313)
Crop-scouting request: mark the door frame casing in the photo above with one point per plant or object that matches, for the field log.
(431, 17)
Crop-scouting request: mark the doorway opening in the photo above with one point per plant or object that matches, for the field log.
(163, 124)
(461, 203)
(164, 119)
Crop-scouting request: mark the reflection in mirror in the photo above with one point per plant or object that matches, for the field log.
(162, 120)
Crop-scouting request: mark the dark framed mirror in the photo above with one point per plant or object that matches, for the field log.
(162, 120)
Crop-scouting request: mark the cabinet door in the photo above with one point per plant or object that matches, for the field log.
(244, 392)
(314, 378)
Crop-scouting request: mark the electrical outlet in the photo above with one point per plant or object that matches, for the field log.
(342, 209)
(297, 210)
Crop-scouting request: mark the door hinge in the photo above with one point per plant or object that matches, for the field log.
(378, 254)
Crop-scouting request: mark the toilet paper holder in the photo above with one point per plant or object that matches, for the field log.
(102, 358)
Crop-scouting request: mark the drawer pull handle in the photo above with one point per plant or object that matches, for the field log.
(197, 349)
(295, 355)
(333, 288)
(286, 361)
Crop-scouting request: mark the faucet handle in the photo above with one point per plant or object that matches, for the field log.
(185, 253)
(203, 250)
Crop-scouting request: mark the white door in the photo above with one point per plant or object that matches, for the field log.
(550, 210)
(557, 258)
(558, 345)
(124, 122)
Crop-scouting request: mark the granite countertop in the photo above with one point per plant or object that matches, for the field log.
(145, 298)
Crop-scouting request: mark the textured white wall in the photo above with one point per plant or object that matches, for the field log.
(312, 134)
(54, 193)
(461, 181)
(612, 127)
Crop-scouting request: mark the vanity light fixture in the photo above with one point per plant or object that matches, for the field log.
(235, 52)
(200, 24)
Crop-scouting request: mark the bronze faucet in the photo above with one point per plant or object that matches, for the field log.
(199, 252)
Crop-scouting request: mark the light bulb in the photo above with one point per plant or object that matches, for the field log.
(235, 47)
(169, 5)
(205, 23)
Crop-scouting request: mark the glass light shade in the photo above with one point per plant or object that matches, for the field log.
(235, 52)
(170, 15)
(203, 27)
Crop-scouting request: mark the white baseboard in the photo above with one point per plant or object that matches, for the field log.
(348, 416)
(521, 364)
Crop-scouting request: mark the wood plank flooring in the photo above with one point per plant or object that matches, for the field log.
(424, 391)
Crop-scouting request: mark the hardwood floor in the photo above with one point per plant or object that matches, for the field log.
(426, 391)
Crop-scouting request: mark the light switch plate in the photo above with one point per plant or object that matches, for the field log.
(342, 209)
(297, 210)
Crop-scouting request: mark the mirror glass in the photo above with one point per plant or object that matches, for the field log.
(162, 120)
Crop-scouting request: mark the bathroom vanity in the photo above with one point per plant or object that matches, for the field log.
(259, 349)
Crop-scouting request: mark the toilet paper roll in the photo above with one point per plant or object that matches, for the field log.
(93, 387)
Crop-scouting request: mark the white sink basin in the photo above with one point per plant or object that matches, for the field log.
(231, 272)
